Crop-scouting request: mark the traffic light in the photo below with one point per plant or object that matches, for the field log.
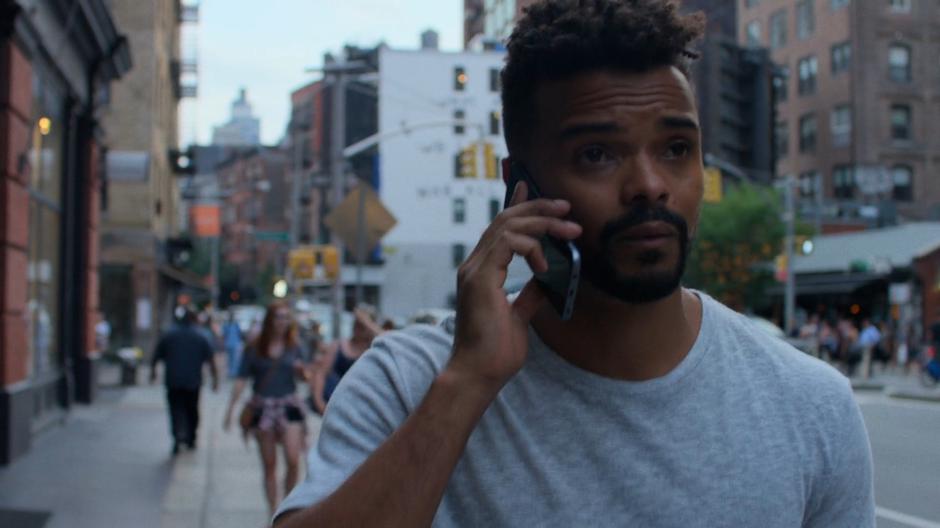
(712, 185)
(329, 258)
(467, 162)
(491, 162)
(303, 262)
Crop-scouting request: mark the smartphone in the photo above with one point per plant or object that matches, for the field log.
(560, 282)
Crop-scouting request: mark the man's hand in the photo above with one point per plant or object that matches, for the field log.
(491, 338)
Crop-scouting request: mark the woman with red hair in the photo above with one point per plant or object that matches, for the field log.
(275, 415)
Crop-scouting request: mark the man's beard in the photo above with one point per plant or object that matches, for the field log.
(645, 286)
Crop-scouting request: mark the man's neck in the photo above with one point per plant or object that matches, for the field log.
(624, 341)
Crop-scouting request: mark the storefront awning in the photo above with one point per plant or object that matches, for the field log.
(830, 283)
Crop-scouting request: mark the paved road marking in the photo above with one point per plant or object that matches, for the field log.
(905, 519)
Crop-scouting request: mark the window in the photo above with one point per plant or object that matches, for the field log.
(807, 183)
(808, 133)
(781, 81)
(902, 176)
(460, 78)
(805, 21)
(807, 70)
(46, 158)
(753, 33)
(841, 57)
(459, 127)
(494, 123)
(778, 29)
(900, 6)
(460, 210)
(458, 254)
(900, 122)
(835, 5)
(781, 140)
(494, 79)
(843, 181)
(841, 125)
(494, 208)
(899, 63)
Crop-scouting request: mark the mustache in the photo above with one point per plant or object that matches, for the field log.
(642, 214)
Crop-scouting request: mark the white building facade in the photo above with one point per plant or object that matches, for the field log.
(441, 180)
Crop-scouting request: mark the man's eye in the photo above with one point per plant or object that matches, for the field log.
(678, 150)
(594, 156)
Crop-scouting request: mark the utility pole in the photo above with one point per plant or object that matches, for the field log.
(789, 217)
(338, 176)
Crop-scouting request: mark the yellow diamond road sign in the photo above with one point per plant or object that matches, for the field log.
(343, 219)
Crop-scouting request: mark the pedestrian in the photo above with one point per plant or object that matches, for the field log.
(232, 340)
(102, 333)
(339, 356)
(274, 414)
(652, 405)
(184, 351)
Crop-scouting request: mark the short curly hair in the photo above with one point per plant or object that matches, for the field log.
(557, 39)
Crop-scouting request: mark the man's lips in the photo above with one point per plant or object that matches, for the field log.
(647, 232)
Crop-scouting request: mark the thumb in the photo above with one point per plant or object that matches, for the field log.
(529, 301)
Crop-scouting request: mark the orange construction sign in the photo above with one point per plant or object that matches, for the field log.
(206, 220)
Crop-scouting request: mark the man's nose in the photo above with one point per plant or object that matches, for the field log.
(645, 181)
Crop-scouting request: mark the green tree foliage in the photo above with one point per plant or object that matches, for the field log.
(732, 255)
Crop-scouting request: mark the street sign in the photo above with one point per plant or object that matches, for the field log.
(205, 220)
(343, 219)
(273, 236)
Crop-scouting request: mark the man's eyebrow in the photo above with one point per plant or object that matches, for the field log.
(678, 122)
(580, 129)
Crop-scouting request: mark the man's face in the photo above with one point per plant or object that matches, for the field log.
(624, 149)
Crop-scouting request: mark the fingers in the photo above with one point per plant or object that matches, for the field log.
(529, 248)
(521, 237)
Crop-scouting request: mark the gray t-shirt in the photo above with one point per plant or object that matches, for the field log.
(745, 431)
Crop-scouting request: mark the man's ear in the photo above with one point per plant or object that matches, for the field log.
(506, 167)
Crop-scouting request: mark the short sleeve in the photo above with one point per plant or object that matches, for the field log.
(371, 402)
(844, 497)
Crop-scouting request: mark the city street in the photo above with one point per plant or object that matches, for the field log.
(905, 441)
(119, 472)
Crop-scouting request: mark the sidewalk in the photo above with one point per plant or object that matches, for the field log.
(897, 385)
(110, 465)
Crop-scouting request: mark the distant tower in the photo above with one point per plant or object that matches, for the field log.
(243, 129)
(430, 40)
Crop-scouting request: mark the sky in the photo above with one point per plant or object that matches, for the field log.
(266, 46)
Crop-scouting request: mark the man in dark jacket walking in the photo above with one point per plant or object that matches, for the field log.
(183, 351)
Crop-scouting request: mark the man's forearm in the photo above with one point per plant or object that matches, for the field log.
(402, 482)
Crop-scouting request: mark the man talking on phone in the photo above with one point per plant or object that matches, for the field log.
(653, 405)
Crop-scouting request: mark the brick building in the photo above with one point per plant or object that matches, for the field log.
(255, 220)
(57, 60)
(853, 120)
